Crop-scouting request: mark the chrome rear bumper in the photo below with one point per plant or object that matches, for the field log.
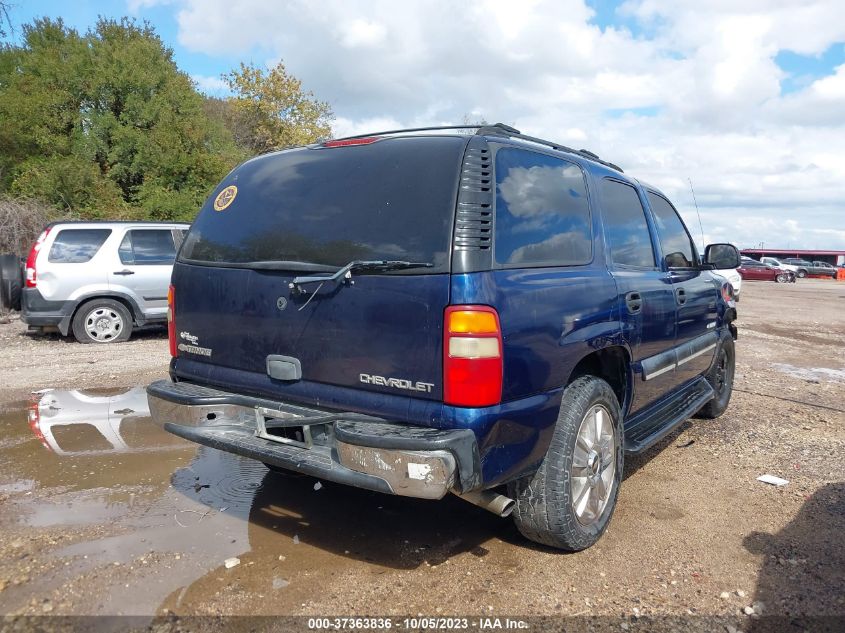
(344, 447)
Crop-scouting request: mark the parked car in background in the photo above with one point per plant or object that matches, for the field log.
(804, 267)
(735, 279)
(419, 314)
(751, 269)
(100, 279)
(774, 261)
(823, 268)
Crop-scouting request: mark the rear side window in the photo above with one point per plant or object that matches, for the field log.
(393, 199)
(77, 246)
(625, 225)
(147, 247)
(677, 246)
(542, 212)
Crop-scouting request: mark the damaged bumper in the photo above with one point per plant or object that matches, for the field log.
(348, 448)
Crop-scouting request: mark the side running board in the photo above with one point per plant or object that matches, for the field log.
(652, 424)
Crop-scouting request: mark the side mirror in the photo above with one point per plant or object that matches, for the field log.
(722, 256)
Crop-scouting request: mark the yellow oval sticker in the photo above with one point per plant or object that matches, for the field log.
(225, 198)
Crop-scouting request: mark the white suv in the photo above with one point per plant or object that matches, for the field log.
(774, 261)
(732, 276)
(99, 279)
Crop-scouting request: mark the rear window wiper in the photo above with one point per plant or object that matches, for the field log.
(345, 272)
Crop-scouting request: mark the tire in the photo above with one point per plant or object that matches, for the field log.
(544, 510)
(781, 278)
(102, 321)
(721, 378)
(801, 273)
(11, 282)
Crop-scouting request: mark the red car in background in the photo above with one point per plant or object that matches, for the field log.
(757, 271)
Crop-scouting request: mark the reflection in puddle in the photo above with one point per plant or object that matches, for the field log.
(154, 517)
(77, 422)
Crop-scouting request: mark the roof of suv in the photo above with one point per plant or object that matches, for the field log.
(495, 132)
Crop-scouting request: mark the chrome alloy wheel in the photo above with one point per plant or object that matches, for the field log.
(593, 472)
(103, 325)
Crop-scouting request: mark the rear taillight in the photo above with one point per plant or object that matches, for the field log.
(31, 274)
(472, 356)
(171, 319)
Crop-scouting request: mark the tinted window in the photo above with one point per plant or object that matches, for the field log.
(625, 225)
(674, 239)
(542, 214)
(77, 246)
(147, 247)
(392, 199)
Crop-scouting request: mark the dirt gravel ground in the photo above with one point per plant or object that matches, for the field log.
(143, 524)
(29, 363)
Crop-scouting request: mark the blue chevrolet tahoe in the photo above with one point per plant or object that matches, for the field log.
(425, 312)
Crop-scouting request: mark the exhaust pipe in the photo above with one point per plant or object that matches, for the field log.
(499, 505)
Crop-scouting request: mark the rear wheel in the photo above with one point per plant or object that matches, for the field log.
(781, 278)
(568, 502)
(102, 321)
(11, 282)
(801, 273)
(721, 378)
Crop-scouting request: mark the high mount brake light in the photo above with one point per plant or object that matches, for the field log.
(366, 140)
(472, 356)
(31, 273)
(171, 320)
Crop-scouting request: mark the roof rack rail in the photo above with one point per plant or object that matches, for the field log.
(500, 129)
(496, 129)
(432, 128)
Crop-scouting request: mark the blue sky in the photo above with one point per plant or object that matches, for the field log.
(743, 97)
(800, 70)
(83, 14)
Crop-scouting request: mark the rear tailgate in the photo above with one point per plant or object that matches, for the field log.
(311, 211)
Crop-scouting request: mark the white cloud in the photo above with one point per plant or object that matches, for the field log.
(766, 166)
(211, 85)
(361, 34)
(135, 6)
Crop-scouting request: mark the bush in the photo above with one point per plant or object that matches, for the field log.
(21, 222)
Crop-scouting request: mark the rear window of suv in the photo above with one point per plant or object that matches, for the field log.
(77, 246)
(393, 199)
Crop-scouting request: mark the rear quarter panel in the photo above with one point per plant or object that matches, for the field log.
(551, 318)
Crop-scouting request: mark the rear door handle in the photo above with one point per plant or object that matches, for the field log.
(634, 301)
(124, 272)
(681, 295)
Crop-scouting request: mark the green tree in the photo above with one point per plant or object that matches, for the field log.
(271, 110)
(105, 124)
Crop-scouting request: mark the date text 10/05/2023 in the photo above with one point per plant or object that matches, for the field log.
(418, 623)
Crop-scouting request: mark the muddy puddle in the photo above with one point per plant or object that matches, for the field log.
(105, 513)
